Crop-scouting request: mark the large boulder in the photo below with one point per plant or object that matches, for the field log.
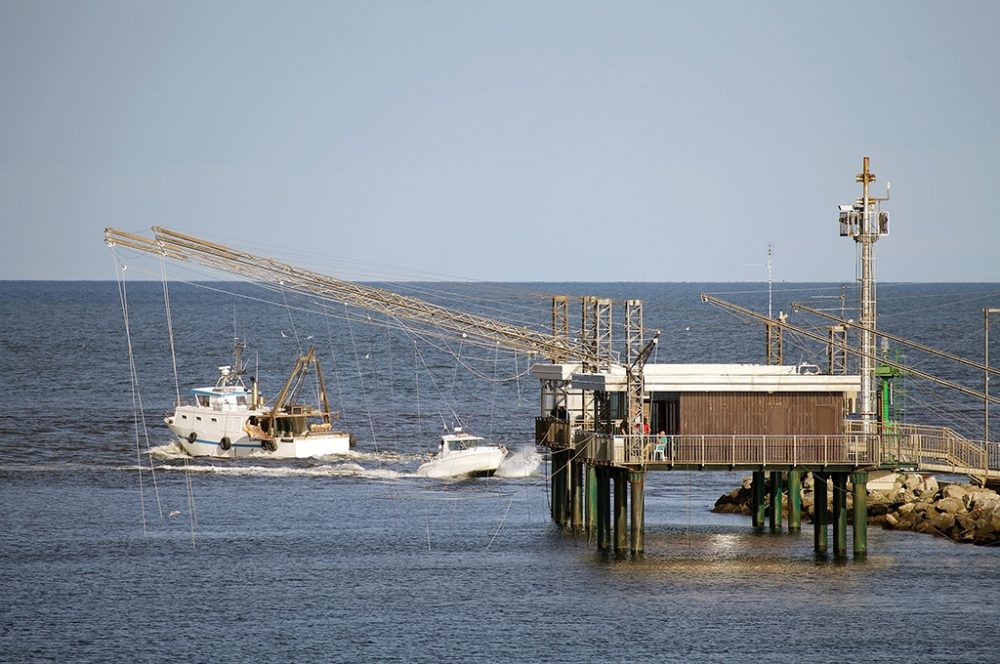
(943, 523)
(950, 505)
(988, 527)
(911, 481)
(876, 497)
(981, 499)
(954, 491)
(966, 523)
(928, 486)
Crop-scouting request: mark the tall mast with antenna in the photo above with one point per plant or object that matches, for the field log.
(866, 224)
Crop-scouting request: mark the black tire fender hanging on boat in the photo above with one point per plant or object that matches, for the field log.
(225, 443)
(269, 445)
(192, 437)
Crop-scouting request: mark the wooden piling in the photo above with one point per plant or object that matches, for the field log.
(603, 508)
(576, 493)
(757, 499)
(775, 508)
(819, 512)
(860, 482)
(621, 509)
(590, 493)
(637, 479)
(794, 500)
(839, 514)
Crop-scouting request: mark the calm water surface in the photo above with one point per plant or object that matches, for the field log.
(351, 559)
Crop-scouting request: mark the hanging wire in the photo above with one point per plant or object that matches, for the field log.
(361, 380)
(139, 418)
(291, 319)
(170, 328)
(338, 391)
(493, 403)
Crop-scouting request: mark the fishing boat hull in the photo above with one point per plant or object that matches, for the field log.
(476, 462)
(226, 438)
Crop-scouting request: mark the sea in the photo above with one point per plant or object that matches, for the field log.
(116, 547)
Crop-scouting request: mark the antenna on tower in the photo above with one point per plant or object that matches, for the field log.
(856, 221)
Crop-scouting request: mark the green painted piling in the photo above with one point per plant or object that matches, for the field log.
(819, 513)
(637, 479)
(839, 514)
(603, 508)
(794, 501)
(576, 494)
(757, 499)
(860, 482)
(621, 509)
(560, 486)
(775, 509)
(590, 491)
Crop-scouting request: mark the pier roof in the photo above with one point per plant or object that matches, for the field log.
(706, 378)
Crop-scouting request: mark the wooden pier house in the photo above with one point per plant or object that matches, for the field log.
(782, 420)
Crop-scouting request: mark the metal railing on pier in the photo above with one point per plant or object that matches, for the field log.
(735, 451)
(938, 449)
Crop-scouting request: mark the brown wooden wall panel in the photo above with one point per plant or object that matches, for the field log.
(756, 413)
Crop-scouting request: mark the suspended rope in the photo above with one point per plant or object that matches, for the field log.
(139, 418)
(454, 415)
(454, 373)
(338, 391)
(392, 382)
(193, 519)
(416, 392)
(500, 525)
(493, 404)
(170, 329)
(361, 381)
(291, 319)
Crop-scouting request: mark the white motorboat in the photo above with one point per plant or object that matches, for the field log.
(228, 420)
(461, 454)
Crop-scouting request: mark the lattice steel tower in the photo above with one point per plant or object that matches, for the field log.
(866, 223)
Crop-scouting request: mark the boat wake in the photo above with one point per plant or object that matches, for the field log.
(519, 463)
(172, 451)
(325, 470)
(386, 465)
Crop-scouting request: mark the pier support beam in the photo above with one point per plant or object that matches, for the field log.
(637, 478)
(794, 500)
(560, 486)
(757, 499)
(860, 482)
(590, 492)
(603, 508)
(775, 510)
(621, 509)
(576, 494)
(819, 513)
(839, 514)
(553, 484)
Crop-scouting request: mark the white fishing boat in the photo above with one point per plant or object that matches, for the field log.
(228, 420)
(462, 454)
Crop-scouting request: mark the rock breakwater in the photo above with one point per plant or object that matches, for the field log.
(904, 501)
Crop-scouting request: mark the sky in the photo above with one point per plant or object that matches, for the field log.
(506, 140)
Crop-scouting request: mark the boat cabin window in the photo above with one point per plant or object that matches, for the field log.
(203, 400)
(241, 401)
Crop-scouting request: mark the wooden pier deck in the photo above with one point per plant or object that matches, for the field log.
(597, 477)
